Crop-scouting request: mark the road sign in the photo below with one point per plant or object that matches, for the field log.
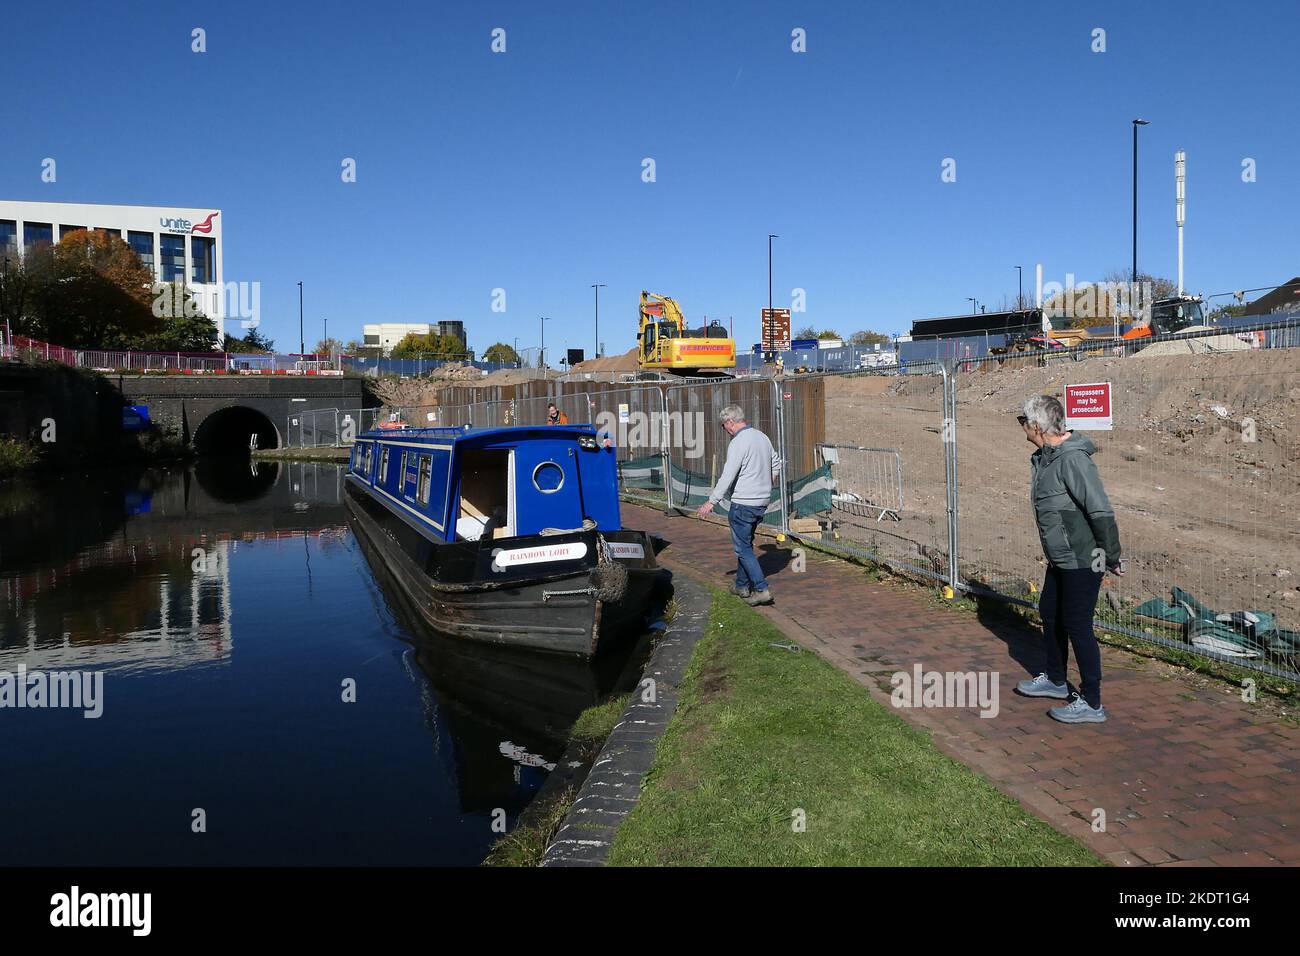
(776, 330)
(1088, 407)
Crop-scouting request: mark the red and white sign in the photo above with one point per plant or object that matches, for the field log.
(1088, 407)
(543, 554)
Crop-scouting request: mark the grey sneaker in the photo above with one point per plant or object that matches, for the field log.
(1042, 686)
(739, 591)
(756, 598)
(1078, 711)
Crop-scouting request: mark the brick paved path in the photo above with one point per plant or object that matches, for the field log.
(1186, 772)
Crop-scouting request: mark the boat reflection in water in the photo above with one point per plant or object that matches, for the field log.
(500, 715)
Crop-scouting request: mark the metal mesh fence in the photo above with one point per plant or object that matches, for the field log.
(634, 419)
(696, 442)
(1199, 467)
(876, 484)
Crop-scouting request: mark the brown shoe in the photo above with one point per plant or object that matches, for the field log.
(755, 598)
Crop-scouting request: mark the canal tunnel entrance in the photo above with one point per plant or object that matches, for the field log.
(237, 430)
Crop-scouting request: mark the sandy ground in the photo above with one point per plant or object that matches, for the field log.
(1199, 503)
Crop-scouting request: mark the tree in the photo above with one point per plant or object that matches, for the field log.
(253, 341)
(330, 346)
(431, 346)
(502, 353)
(828, 334)
(865, 339)
(90, 290)
(183, 333)
(807, 332)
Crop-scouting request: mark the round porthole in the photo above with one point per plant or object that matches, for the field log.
(548, 477)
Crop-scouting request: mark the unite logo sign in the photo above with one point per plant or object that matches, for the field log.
(185, 226)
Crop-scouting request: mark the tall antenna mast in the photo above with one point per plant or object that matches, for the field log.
(1180, 207)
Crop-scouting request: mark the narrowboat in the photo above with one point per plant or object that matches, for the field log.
(510, 536)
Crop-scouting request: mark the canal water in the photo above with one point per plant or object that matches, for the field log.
(228, 612)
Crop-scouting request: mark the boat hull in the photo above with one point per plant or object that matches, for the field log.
(472, 591)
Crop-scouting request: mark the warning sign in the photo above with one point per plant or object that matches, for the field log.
(1088, 407)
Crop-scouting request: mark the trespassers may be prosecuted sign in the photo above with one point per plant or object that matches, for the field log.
(1088, 407)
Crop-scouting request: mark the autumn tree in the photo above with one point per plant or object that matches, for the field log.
(89, 290)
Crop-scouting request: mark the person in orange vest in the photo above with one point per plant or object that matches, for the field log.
(554, 416)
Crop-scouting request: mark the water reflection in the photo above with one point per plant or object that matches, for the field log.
(226, 604)
(133, 569)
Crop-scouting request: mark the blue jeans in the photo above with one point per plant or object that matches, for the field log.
(744, 521)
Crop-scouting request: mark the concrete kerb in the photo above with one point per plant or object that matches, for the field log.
(614, 784)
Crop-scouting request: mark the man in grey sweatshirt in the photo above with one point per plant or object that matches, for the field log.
(751, 467)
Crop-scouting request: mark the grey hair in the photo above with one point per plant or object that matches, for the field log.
(1047, 413)
(732, 413)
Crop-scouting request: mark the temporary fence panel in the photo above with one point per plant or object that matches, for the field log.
(868, 481)
(634, 420)
(697, 443)
(575, 408)
(884, 461)
(1199, 465)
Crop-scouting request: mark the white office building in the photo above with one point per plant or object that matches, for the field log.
(179, 244)
(384, 335)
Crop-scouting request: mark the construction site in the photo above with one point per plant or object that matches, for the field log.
(925, 469)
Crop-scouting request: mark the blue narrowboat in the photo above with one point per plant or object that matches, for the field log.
(506, 535)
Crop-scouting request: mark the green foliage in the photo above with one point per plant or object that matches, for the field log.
(252, 342)
(16, 456)
(501, 352)
(431, 346)
(866, 339)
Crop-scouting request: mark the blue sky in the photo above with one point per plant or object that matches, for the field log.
(523, 170)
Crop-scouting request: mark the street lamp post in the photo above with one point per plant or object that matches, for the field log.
(1133, 290)
(597, 286)
(971, 300)
(542, 359)
(769, 269)
(302, 345)
(1020, 296)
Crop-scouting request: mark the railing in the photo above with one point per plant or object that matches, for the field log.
(188, 363)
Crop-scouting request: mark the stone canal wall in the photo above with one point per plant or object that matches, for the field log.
(613, 786)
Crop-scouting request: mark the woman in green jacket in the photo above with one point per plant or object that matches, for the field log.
(1077, 530)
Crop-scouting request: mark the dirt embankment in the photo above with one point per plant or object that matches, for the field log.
(1201, 468)
(413, 392)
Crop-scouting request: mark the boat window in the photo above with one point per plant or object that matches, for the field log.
(548, 477)
(426, 478)
(383, 464)
(484, 494)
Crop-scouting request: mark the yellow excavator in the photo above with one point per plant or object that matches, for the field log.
(666, 344)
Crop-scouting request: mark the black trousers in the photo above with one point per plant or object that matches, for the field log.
(1067, 606)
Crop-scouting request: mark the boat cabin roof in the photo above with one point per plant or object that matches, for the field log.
(456, 484)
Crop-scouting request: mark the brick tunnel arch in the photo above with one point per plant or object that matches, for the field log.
(229, 431)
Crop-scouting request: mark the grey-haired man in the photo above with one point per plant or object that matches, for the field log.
(751, 468)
